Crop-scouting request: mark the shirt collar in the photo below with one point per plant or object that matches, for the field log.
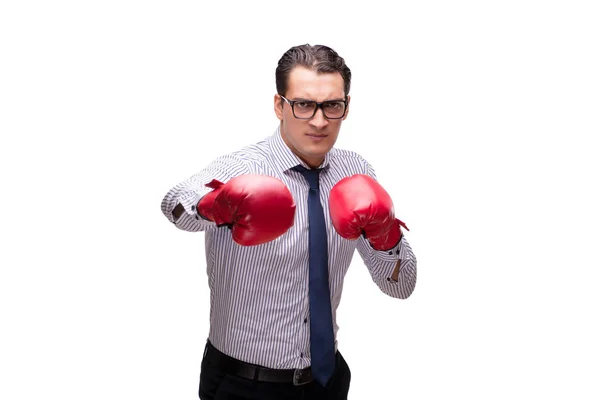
(284, 157)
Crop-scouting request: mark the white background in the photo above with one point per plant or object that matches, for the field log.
(481, 119)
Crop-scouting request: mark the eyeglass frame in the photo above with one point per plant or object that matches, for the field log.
(319, 105)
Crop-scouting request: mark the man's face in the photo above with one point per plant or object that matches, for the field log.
(310, 139)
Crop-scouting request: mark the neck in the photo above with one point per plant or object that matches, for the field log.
(312, 162)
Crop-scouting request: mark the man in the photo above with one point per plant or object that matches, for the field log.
(282, 219)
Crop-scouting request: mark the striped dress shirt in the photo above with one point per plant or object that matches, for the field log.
(259, 310)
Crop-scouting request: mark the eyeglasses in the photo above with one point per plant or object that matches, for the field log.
(306, 109)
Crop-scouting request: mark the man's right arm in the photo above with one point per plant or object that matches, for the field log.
(179, 204)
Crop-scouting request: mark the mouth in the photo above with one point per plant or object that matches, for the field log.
(316, 135)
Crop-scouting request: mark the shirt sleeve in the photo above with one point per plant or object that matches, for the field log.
(179, 204)
(381, 264)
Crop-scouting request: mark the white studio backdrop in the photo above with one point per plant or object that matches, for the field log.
(479, 118)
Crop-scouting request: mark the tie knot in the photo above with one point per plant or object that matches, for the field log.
(311, 175)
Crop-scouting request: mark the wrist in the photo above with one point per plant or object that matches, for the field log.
(206, 205)
(386, 239)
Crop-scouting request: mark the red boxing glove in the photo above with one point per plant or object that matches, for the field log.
(257, 208)
(359, 205)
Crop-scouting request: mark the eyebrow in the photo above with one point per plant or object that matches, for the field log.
(324, 101)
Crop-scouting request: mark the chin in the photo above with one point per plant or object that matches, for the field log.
(318, 148)
(317, 154)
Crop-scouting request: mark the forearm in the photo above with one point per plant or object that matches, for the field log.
(394, 271)
(179, 206)
(405, 270)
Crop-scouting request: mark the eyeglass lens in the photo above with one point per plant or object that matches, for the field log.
(306, 109)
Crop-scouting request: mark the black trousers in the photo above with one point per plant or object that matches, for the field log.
(218, 385)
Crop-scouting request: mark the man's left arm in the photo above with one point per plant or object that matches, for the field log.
(361, 209)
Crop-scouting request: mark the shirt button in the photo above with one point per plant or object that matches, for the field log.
(305, 320)
(301, 355)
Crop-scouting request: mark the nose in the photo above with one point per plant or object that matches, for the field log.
(318, 120)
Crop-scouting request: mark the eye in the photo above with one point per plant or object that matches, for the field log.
(334, 105)
(305, 105)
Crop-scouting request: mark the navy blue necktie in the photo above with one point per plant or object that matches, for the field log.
(322, 347)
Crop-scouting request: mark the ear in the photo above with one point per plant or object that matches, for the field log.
(347, 108)
(278, 106)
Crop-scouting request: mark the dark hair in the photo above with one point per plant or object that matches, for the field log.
(321, 59)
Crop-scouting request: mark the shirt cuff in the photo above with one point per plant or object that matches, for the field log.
(392, 254)
(188, 213)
